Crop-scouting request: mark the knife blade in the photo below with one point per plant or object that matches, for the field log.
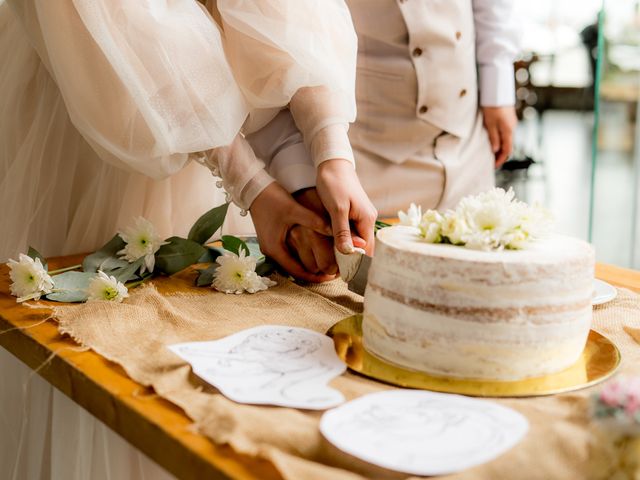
(358, 282)
(354, 269)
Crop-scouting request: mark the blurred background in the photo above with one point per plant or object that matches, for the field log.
(577, 148)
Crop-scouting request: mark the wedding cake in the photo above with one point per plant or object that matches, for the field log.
(496, 313)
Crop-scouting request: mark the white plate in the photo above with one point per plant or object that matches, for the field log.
(423, 433)
(602, 292)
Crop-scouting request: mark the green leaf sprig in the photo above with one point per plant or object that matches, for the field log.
(177, 254)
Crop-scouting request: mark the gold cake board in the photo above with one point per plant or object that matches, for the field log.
(598, 361)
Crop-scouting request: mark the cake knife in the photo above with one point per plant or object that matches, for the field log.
(354, 269)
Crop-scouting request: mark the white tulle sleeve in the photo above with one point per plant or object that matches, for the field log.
(301, 52)
(150, 84)
(146, 82)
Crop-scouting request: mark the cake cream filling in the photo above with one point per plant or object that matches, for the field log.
(474, 360)
(406, 324)
(468, 293)
(522, 314)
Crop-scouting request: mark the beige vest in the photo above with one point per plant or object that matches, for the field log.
(416, 64)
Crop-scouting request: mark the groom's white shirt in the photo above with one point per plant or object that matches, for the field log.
(280, 145)
(420, 62)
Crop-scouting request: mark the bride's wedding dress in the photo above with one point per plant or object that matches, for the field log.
(99, 98)
(104, 105)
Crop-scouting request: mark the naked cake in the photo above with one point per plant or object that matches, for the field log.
(505, 314)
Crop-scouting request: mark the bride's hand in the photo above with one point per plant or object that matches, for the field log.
(274, 212)
(345, 200)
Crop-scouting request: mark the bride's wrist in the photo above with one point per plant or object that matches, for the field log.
(334, 164)
(271, 196)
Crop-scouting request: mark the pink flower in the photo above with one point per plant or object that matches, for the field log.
(622, 395)
(613, 394)
(632, 407)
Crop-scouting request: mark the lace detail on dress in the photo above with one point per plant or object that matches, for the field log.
(205, 160)
(241, 175)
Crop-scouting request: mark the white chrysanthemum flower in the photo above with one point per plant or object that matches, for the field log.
(141, 240)
(454, 228)
(431, 226)
(413, 216)
(105, 287)
(237, 274)
(534, 222)
(29, 278)
(496, 220)
(517, 240)
(492, 218)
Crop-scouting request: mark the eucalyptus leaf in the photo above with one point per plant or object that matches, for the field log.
(127, 272)
(210, 255)
(178, 254)
(111, 264)
(73, 285)
(108, 253)
(205, 277)
(208, 224)
(254, 248)
(235, 244)
(266, 267)
(33, 253)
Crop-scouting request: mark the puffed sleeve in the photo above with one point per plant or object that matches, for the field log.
(301, 52)
(146, 82)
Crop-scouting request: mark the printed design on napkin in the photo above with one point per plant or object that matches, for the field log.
(423, 433)
(272, 365)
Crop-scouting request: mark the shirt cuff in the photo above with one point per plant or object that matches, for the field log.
(497, 85)
(318, 114)
(289, 169)
(253, 188)
(332, 142)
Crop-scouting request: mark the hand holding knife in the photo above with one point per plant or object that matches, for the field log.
(354, 267)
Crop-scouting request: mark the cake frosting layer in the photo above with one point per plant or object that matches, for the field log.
(502, 315)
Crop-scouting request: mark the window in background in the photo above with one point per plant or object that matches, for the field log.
(555, 102)
(616, 213)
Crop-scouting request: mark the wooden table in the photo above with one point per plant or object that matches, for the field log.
(151, 424)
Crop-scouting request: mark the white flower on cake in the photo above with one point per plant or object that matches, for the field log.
(492, 220)
(413, 216)
(29, 278)
(105, 287)
(535, 222)
(237, 274)
(431, 226)
(142, 240)
(454, 228)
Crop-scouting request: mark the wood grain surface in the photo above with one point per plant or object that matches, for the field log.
(153, 425)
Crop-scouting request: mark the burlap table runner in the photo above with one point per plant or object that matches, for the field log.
(560, 445)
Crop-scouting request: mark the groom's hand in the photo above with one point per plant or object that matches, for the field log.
(275, 213)
(500, 123)
(315, 251)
